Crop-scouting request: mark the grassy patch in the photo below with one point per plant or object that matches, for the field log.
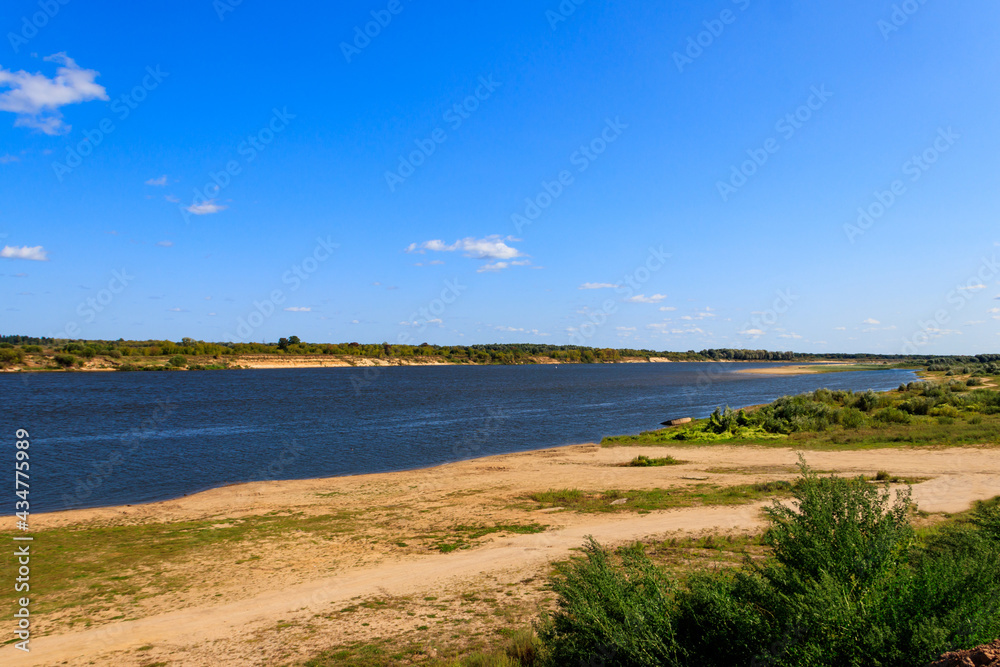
(920, 414)
(646, 462)
(95, 568)
(464, 537)
(648, 500)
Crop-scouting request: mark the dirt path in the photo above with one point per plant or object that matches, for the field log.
(242, 631)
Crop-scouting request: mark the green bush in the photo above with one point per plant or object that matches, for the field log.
(848, 583)
(852, 418)
(11, 356)
(892, 416)
(65, 360)
(178, 361)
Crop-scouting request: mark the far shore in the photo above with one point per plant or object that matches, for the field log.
(271, 362)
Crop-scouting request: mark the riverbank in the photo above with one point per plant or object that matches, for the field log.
(231, 575)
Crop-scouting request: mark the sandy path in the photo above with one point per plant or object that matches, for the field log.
(517, 554)
(215, 631)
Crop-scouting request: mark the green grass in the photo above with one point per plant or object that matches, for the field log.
(463, 537)
(648, 500)
(646, 462)
(89, 568)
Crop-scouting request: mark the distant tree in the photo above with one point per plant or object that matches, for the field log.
(294, 340)
(282, 344)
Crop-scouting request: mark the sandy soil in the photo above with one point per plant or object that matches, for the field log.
(230, 615)
(806, 369)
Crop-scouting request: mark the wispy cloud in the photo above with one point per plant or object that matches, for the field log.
(165, 244)
(206, 208)
(597, 286)
(973, 287)
(642, 298)
(7, 158)
(489, 247)
(871, 320)
(36, 99)
(298, 309)
(35, 254)
(159, 182)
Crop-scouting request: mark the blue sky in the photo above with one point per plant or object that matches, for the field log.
(664, 175)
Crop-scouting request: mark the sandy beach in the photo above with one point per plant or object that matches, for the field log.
(243, 604)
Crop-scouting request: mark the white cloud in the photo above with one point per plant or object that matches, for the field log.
(7, 158)
(495, 266)
(642, 298)
(436, 262)
(840, 328)
(752, 332)
(165, 244)
(36, 254)
(667, 309)
(625, 328)
(489, 247)
(172, 199)
(298, 309)
(205, 208)
(36, 99)
(176, 310)
(160, 182)
(871, 321)
(789, 335)
(700, 316)
(597, 286)
(973, 287)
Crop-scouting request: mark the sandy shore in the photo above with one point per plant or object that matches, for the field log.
(800, 369)
(227, 615)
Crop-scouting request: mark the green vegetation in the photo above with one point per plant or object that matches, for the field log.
(847, 582)
(134, 355)
(461, 537)
(646, 462)
(647, 500)
(920, 413)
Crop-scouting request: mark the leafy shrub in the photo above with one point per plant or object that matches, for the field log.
(11, 356)
(65, 360)
(852, 418)
(892, 416)
(178, 361)
(849, 583)
(945, 411)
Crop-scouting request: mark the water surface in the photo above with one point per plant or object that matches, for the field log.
(118, 438)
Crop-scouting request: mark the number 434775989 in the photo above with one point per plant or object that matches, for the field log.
(21, 474)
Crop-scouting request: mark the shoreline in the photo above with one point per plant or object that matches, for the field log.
(557, 448)
(276, 362)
